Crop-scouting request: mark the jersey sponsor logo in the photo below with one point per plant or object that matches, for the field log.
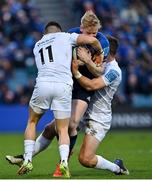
(112, 75)
(46, 41)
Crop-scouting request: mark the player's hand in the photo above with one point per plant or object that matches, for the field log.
(84, 54)
(97, 59)
(75, 66)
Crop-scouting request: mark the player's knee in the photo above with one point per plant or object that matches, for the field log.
(84, 160)
(72, 131)
(32, 121)
(62, 130)
(49, 131)
(73, 125)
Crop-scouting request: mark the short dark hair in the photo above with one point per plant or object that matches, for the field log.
(53, 23)
(113, 44)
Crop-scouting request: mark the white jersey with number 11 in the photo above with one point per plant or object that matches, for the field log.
(53, 55)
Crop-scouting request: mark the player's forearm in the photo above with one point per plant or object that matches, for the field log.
(85, 39)
(84, 81)
(99, 50)
(94, 68)
(93, 65)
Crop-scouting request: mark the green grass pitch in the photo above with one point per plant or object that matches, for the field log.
(134, 147)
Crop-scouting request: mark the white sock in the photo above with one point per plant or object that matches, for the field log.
(64, 152)
(41, 144)
(105, 164)
(29, 148)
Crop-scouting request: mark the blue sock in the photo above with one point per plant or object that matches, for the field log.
(72, 142)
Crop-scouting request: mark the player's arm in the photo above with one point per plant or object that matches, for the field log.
(91, 84)
(94, 67)
(84, 39)
(88, 84)
(97, 83)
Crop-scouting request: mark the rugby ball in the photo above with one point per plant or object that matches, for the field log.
(75, 56)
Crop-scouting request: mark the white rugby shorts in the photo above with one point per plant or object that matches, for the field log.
(95, 129)
(54, 96)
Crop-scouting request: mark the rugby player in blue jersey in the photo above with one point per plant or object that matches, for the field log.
(90, 25)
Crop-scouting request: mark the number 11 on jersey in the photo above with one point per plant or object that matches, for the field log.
(49, 52)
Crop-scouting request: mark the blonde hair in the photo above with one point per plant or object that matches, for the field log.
(90, 19)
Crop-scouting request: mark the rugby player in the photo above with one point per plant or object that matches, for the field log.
(90, 25)
(53, 89)
(99, 114)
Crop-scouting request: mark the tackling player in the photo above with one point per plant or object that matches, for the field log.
(90, 25)
(99, 114)
(53, 73)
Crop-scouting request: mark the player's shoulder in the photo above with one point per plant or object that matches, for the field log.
(67, 34)
(74, 30)
(113, 72)
(101, 37)
(37, 44)
(104, 43)
(114, 66)
(49, 37)
(100, 34)
(57, 36)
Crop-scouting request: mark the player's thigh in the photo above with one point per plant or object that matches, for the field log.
(61, 103)
(33, 116)
(79, 108)
(50, 130)
(41, 97)
(95, 129)
(95, 132)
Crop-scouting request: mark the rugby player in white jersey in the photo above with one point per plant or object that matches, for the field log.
(53, 89)
(99, 114)
(90, 25)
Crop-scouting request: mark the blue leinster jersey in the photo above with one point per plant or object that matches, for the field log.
(101, 38)
(78, 91)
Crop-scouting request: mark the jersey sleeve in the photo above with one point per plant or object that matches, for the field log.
(73, 38)
(110, 76)
(104, 43)
(74, 30)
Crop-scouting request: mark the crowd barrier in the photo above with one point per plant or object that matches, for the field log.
(13, 118)
(129, 117)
